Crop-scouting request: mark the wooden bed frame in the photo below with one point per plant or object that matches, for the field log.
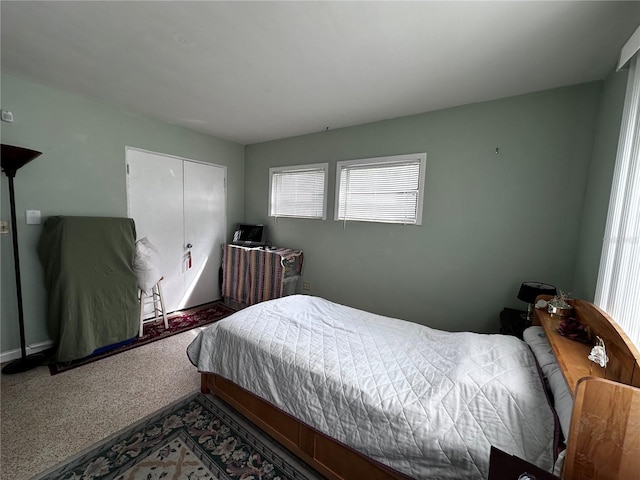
(604, 438)
(331, 458)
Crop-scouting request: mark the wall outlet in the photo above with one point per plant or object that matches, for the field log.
(306, 286)
(4, 227)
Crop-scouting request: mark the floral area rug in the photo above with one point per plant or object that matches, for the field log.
(178, 322)
(199, 437)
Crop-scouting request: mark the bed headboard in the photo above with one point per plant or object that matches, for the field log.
(624, 357)
(604, 438)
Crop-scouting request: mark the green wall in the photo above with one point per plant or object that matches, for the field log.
(490, 221)
(598, 190)
(81, 172)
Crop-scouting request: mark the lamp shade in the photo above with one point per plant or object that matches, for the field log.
(530, 290)
(14, 158)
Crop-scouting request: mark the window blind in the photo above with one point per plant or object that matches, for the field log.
(618, 286)
(387, 191)
(298, 192)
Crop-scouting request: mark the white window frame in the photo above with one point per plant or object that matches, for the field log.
(399, 159)
(300, 168)
(618, 285)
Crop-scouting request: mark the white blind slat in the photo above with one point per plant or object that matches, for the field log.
(618, 287)
(298, 192)
(381, 191)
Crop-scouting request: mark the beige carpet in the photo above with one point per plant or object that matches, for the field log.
(45, 418)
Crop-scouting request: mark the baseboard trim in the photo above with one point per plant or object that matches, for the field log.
(17, 353)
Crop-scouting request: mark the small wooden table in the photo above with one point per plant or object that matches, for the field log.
(512, 322)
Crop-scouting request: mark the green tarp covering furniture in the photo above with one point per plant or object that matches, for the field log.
(91, 285)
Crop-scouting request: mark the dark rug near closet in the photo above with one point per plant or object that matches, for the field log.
(178, 322)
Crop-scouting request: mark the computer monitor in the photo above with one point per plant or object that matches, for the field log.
(248, 235)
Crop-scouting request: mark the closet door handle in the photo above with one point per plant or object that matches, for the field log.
(189, 245)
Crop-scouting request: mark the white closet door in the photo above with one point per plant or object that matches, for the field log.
(167, 197)
(204, 227)
(155, 194)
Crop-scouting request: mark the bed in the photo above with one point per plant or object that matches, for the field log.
(365, 396)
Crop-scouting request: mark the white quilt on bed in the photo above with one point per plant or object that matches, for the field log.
(427, 403)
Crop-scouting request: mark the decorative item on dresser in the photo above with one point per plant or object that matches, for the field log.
(253, 275)
(559, 306)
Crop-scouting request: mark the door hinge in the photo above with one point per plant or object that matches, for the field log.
(127, 169)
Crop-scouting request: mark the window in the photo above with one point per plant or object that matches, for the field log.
(383, 189)
(298, 191)
(618, 287)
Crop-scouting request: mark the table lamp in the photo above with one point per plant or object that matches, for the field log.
(528, 293)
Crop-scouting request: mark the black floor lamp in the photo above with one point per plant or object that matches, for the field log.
(13, 158)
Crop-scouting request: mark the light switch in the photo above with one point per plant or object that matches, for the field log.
(33, 217)
(6, 116)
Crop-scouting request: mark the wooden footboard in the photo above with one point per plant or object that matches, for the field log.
(329, 457)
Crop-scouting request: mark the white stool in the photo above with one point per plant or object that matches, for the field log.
(155, 298)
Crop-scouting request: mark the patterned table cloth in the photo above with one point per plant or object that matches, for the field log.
(253, 275)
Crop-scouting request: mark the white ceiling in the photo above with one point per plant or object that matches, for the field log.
(256, 71)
